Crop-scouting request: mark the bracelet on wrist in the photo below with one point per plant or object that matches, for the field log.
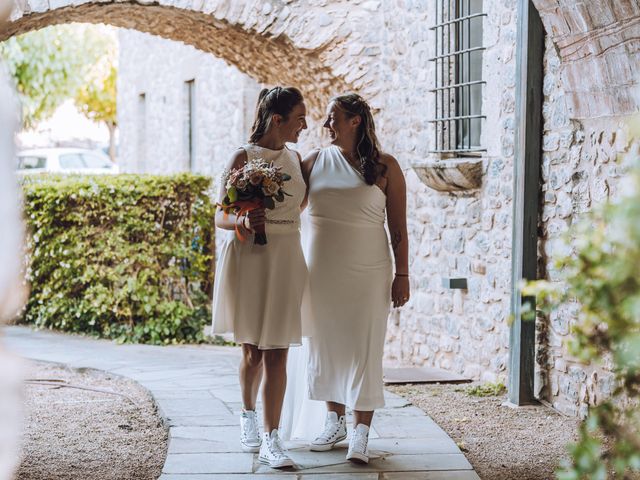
(402, 274)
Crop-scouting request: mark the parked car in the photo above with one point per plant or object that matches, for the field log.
(65, 160)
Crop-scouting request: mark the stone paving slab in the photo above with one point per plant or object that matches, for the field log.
(196, 390)
(413, 446)
(202, 421)
(451, 475)
(208, 463)
(390, 463)
(250, 476)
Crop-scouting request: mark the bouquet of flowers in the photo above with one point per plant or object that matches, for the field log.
(258, 184)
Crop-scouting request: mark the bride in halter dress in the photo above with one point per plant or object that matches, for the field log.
(352, 285)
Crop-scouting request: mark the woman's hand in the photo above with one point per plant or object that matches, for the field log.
(400, 291)
(255, 219)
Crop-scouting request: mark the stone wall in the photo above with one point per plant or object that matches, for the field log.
(159, 69)
(381, 49)
(598, 44)
(580, 169)
(453, 234)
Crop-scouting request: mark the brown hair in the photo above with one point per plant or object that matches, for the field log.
(367, 148)
(277, 100)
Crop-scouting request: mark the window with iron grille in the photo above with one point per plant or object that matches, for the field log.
(458, 76)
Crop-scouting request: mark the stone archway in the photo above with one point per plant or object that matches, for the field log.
(597, 43)
(275, 43)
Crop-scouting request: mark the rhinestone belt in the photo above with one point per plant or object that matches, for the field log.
(280, 222)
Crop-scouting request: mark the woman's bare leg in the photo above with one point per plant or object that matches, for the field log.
(250, 375)
(364, 417)
(275, 384)
(339, 408)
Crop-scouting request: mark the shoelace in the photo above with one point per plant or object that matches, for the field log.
(276, 448)
(330, 429)
(360, 442)
(250, 428)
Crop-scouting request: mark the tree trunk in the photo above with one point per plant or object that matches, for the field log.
(112, 140)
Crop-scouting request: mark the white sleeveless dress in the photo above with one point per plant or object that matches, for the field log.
(258, 289)
(350, 276)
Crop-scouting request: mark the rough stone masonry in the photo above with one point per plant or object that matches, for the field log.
(381, 49)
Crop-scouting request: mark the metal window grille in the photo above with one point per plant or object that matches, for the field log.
(458, 76)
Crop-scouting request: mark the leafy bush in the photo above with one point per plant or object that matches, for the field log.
(603, 276)
(127, 257)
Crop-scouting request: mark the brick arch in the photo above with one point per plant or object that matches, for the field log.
(598, 44)
(268, 43)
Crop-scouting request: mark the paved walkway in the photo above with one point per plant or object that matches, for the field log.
(196, 389)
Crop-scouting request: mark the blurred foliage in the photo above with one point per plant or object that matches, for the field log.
(50, 65)
(602, 275)
(127, 257)
(97, 97)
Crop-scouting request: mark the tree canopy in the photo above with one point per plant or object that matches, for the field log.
(54, 64)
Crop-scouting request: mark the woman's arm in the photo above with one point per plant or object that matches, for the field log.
(228, 221)
(396, 190)
(306, 166)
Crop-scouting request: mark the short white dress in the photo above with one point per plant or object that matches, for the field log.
(350, 276)
(258, 289)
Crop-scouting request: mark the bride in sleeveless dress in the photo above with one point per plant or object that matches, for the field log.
(353, 188)
(258, 288)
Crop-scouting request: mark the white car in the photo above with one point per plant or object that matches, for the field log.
(64, 160)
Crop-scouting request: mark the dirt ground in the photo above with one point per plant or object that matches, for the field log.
(78, 434)
(501, 443)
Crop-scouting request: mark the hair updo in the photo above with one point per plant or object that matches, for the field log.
(367, 146)
(276, 100)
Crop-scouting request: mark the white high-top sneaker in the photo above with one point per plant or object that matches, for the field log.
(358, 451)
(249, 432)
(273, 452)
(335, 430)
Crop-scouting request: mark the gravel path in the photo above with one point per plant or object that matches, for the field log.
(81, 434)
(501, 443)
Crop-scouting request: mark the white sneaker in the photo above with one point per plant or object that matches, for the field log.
(335, 430)
(273, 452)
(358, 451)
(249, 432)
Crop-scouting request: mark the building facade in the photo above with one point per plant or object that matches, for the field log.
(179, 109)
(442, 77)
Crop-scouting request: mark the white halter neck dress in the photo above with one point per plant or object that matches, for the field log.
(258, 288)
(350, 275)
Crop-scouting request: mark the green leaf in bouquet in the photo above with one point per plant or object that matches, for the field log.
(269, 203)
(286, 177)
(232, 193)
(280, 196)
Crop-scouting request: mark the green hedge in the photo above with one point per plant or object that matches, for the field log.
(127, 257)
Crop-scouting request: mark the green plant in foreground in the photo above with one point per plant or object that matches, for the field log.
(603, 276)
(127, 257)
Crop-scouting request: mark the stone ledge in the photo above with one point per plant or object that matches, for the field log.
(450, 175)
